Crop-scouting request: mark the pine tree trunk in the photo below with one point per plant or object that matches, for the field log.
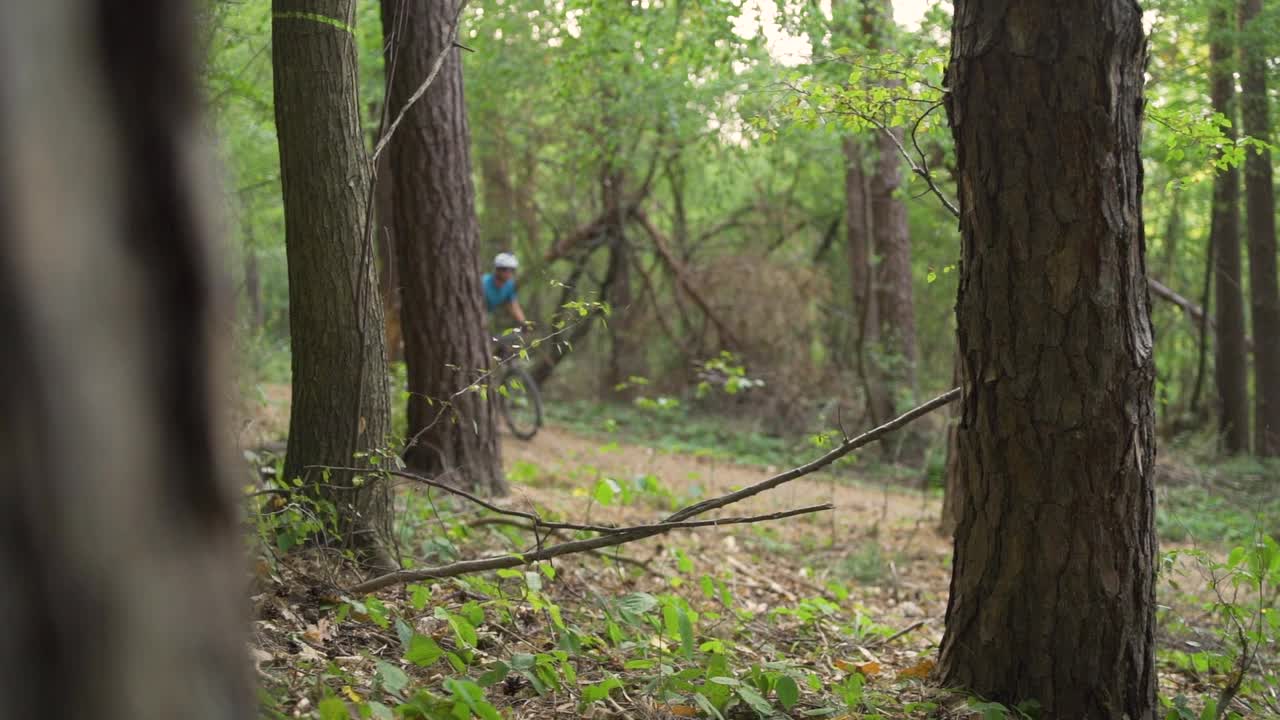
(446, 340)
(894, 285)
(953, 495)
(859, 224)
(1260, 205)
(499, 197)
(1052, 592)
(340, 399)
(1231, 354)
(120, 552)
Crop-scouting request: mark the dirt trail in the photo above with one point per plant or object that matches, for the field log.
(575, 461)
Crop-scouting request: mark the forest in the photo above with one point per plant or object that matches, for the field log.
(723, 359)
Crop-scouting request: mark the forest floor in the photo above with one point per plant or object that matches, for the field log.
(836, 614)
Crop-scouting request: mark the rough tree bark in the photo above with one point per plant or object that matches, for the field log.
(436, 230)
(859, 233)
(1231, 355)
(894, 284)
(340, 399)
(1052, 591)
(119, 533)
(1260, 206)
(384, 240)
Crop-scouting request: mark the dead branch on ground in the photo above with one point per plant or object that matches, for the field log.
(610, 536)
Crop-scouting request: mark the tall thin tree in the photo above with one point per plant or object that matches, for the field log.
(119, 531)
(340, 400)
(1058, 421)
(452, 419)
(1260, 207)
(1230, 353)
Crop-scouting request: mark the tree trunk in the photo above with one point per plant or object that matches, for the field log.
(499, 197)
(858, 228)
(894, 283)
(340, 402)
(451, 429)
(1260, 205)
(1231, 357)
(253, 288)
(1052, 591)
(953, 495)
(623, 351)
(384, 239)
(119, 529)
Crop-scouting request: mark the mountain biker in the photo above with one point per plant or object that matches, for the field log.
(500, 286)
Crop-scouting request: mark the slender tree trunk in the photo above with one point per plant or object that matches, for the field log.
(894, 283)
(1052, 591)
(384, 239)
(120, 550)
(500, 209)
(1231, 356)
(1195, 415)
(451, 429)
(623, 351)
(340, 400)
(253, 288)
(859, 223)
(1260, 205)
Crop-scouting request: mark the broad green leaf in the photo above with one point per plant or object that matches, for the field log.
(788, 691)
(423, 651)
(393, 679)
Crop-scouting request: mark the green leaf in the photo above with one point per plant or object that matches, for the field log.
(420, 597)
(494, 675)
(638, 603)
(788, 691)
(472, 695)
(423, 651)
(604, 492)
(393, 679)
(754, 701)
(706, 706)
(377, 612)
(596, 692)
(333, 709)
(686, 633)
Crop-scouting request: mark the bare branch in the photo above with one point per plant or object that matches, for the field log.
(422, 89)
(678, 520)
(623, 535)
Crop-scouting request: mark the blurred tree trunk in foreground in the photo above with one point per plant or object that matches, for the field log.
(120, 559)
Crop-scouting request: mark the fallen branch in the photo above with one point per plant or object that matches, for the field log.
(512, 522)
(621, 536)
(677, 520)
(840, 451)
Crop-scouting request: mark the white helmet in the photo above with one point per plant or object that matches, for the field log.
(506, 261)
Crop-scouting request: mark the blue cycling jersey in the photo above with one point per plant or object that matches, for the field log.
(494, 296)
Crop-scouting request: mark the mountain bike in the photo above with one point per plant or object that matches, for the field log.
(519, 399)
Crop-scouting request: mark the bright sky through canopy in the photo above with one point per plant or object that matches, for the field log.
(762, 15)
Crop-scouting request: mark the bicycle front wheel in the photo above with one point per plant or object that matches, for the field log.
(520, 402)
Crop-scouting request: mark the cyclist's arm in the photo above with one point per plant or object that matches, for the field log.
(517, 312)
